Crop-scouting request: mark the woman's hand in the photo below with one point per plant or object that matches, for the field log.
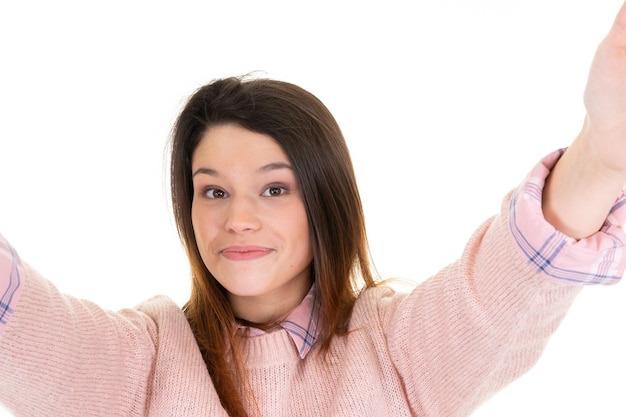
(605, 100)
(584, 184)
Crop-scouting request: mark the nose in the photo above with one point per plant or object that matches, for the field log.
(242, 215)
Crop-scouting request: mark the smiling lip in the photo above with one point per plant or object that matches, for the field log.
(244, 253)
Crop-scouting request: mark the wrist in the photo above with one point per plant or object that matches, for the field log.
(581, 189)
(600, 153)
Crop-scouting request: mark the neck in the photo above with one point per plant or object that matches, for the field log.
(272, 307)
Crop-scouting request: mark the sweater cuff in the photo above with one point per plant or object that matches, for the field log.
(597, 259)
(11, 280)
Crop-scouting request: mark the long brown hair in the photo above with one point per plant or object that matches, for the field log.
(314, 144)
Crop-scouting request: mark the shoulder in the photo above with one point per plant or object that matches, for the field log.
(161, 310)
(378, 302)
(160, 306)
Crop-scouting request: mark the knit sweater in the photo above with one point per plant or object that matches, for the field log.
(440, 350)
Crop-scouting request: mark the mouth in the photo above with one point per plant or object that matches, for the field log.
(244, 253)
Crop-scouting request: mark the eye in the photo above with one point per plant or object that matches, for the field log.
(215, 193)
(274, 191)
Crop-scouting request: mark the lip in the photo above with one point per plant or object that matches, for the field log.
(245, 253)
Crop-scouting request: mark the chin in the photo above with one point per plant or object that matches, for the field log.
(247, 290)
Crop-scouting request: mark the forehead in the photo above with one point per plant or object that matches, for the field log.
(232, 144)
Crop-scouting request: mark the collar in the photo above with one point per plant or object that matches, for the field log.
(302, 323)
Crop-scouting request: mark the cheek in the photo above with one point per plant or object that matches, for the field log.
(299, 228)
(203, 235)
(200, 227)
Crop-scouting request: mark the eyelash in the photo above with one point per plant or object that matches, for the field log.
(209, 192)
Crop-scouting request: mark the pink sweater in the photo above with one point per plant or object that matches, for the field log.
(439, 351)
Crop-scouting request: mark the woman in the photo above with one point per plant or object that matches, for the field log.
(277, 324)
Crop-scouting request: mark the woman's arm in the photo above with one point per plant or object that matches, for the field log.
(584, 184)
(63, 356)
(483, 321)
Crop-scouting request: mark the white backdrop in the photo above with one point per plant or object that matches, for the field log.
(447, 99)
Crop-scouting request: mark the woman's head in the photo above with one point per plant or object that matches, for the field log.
(316, 151)
(250, 223)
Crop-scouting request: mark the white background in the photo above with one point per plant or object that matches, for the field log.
(446, 104)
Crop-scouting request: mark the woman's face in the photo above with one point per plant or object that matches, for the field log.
(250, 223)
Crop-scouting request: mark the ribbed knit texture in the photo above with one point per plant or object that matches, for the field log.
(440, 351)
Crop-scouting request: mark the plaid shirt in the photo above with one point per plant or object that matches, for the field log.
(596, 259)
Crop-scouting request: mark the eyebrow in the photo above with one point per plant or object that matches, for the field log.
(273, 166)
(265, 168)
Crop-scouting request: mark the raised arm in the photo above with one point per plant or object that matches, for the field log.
(584, 184)
(485, 320)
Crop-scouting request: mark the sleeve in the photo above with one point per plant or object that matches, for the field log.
(10, 281)
(598, 259)
(63, 356)
(484, 320)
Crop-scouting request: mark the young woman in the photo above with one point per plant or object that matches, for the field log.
(285, 316)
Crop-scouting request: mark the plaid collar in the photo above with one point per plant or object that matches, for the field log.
(302, 323)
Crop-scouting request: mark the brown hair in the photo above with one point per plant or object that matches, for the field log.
(314, 144)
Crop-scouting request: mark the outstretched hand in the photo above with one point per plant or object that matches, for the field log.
(584, 184)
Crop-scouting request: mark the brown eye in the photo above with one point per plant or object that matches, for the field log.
(274, 191)
(215, 193)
